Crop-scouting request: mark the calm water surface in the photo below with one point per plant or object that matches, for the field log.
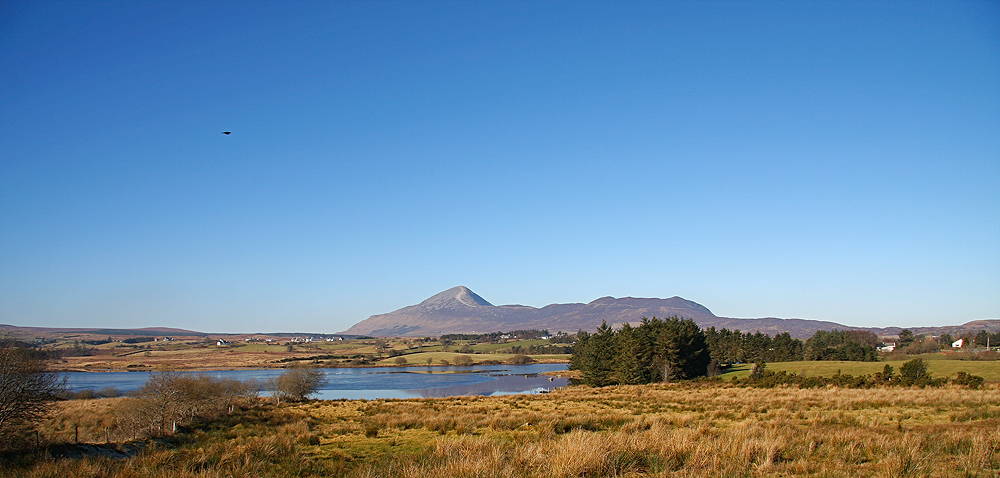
(372, 383)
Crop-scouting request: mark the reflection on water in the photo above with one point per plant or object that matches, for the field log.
(374, 383)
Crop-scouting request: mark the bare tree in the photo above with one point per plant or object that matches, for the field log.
(667, 370)
(27, 390)
(161, 401)
(168, 400)
(297, 383)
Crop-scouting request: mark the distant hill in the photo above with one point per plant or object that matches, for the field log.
(460, 311)
(148, 331)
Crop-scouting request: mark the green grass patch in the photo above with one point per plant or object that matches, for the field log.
(938, 368)
(490, 348)
(256, 347)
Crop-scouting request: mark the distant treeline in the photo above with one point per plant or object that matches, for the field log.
(733, 346)
(494, 337)
(975, 339)
(541, 349)
(138, 340)
(34, 351)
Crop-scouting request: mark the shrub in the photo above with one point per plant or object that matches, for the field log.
(520, 359)
(109, 392)
(463, 360)
(984, 355)
(84, 395)
(922, 346)
(298, 383)
(714, 369)
(757, 370)
(168, 400)
(968, 380)
(913, 372)
(27, 390)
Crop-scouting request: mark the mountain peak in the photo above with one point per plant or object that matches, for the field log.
(455, 297)
(686, 307)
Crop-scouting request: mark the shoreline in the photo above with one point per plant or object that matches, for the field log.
(288, 365)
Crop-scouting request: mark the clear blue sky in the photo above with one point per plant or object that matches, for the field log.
(822, 160)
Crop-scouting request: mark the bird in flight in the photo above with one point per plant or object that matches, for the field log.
(226, 132)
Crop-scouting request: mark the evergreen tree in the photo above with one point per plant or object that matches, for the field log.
(983, 338)
(839, 345)
(598, 360)
(784, 348)
(945, 340)
(679, 349)
(905, 338)
(755, 346)
(578, 358)
(693, 349)
(657, 350)
(714, 340)
(628, 366)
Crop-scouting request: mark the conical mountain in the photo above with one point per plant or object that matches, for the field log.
(456, 298)
(456, 310)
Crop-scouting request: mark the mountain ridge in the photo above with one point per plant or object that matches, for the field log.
(459, 310)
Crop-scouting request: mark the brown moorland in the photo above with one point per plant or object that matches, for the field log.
(683, 429)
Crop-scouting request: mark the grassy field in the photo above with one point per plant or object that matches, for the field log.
(936, 365)
(199, 354)
(491, 348)
(670, 430)
(436, 358)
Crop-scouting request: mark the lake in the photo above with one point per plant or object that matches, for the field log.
(372, 383)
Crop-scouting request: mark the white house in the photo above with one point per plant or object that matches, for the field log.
(887, 347)
(958, 343)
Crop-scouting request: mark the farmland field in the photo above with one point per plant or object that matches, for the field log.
(936, 365)
(205, 354)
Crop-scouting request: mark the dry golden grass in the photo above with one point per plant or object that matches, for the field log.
(201, 358)
(680, 430)
(86, 421)
(669, 430)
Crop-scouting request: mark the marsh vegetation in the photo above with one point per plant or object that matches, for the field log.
(707, 428)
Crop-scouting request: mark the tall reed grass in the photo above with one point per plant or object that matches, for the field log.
(669, 430)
